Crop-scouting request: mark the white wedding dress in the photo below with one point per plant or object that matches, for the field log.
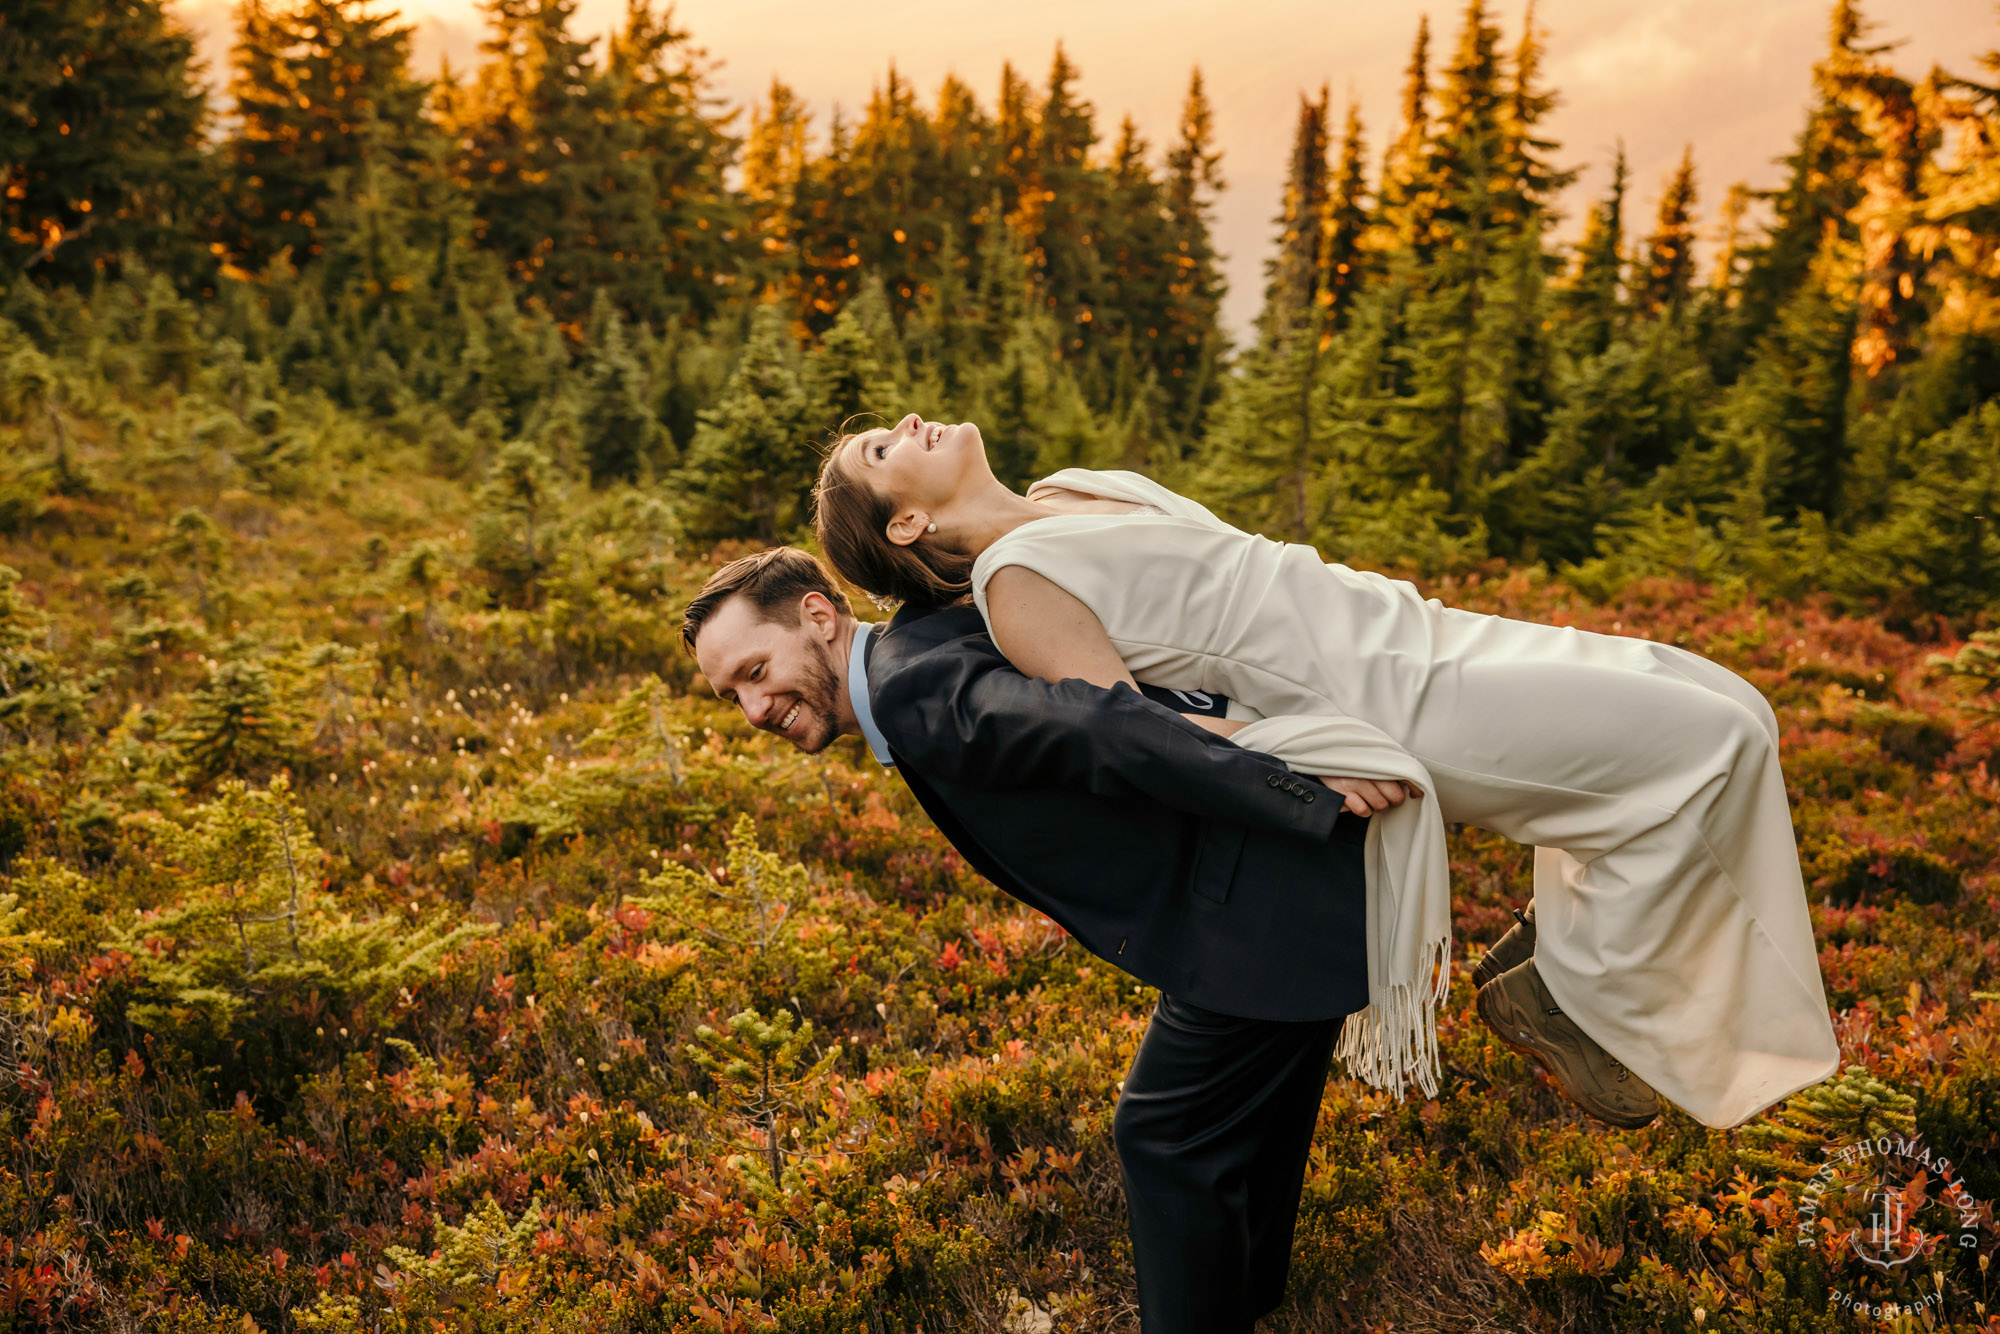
(1671, 917)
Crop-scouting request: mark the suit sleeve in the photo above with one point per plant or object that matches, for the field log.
(961, 713)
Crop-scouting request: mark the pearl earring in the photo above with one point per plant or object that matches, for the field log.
(931, 529)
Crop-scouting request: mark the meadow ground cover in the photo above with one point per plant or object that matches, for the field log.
(386, 946)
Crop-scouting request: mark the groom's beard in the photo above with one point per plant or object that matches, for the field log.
(815, 728)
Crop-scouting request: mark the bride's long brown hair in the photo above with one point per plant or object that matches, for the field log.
(852, 524)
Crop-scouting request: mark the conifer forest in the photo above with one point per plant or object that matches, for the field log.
(397, 935)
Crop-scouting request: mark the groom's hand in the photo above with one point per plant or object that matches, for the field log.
(1365, 796)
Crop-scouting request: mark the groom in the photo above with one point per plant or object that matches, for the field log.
(1211, 872)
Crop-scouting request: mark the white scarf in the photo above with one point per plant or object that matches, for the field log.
(1393, 1042)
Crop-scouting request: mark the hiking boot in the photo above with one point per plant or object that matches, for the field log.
(1516, 947)
(1518, 1007)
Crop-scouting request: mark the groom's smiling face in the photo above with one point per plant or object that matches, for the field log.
(785, 677)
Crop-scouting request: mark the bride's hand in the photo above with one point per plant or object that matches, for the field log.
(1365, 796)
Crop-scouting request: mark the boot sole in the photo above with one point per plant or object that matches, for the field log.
(1489, 1004)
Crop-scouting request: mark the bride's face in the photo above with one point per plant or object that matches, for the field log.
(919, 467)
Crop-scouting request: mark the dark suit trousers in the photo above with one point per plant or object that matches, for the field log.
(1213, 1129)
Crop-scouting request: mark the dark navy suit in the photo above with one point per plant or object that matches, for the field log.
(1211, 872)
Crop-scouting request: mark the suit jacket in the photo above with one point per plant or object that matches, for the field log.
(1206, 870)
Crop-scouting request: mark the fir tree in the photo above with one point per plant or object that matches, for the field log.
(1295, 276)
(239, 723)
(1822, 187)
(1723, 276)
(102, 121)
(590, 174)
(1058, 205)
(1347, 222)
(1666, 274)
(761, 1065)
(1902, 137)
(35, 691)
(199, 547)
(1191, 342)
(844, 375)
(321, 88)
(774, 170)
(1786, 416)
(900, 188)
(1593, 301)
(1014, 137)
(622, 439)
(1407, 199)
(750, 468)
(1529, 184)
(510, 534)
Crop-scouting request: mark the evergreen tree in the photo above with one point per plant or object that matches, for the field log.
(1822, 187)
(239, 723)
(1723, 278)
(1295, 276)
(1459, 413)
(1347, 222)
(1014, 138)
(1960, 225)
(509, 536)
(590, 174)
(844, 375)
(1619, 417)
(1938, 548)
(321, 88)
(664, 102)
(101, 119)
(1666, 275)
(1191, 343)
(1265, 449)
(31, 387)
(1902, 136)
(1785, 419)
(750, 468)
(1139, 251)
(622, 439)
(1407, 199)
(1593, 303)
(943, 333)
(900, 190)
(1529, 184)
(1468, 164)
(35, 691)
(774, 171)
(198, 546)
(1058, 207)
(965, 137)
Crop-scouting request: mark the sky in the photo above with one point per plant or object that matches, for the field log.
(1730, 77)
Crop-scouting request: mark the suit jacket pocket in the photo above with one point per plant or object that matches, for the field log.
(1221, 847)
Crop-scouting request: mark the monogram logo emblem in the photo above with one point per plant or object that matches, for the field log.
(1886, 1242)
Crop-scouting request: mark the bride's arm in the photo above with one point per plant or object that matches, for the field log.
(1048, 632)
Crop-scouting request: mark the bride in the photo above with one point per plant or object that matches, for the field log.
(1669, 951)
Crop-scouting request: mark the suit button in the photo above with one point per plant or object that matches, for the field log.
(1274, 780)
(1308, 797)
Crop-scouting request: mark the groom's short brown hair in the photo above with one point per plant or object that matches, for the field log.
(773, 580)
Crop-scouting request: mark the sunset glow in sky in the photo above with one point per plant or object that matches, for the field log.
(1730, 76)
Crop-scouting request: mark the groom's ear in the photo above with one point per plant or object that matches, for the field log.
(817, 611)
(908, 527)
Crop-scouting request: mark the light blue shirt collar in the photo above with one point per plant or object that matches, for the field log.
(857, 694)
